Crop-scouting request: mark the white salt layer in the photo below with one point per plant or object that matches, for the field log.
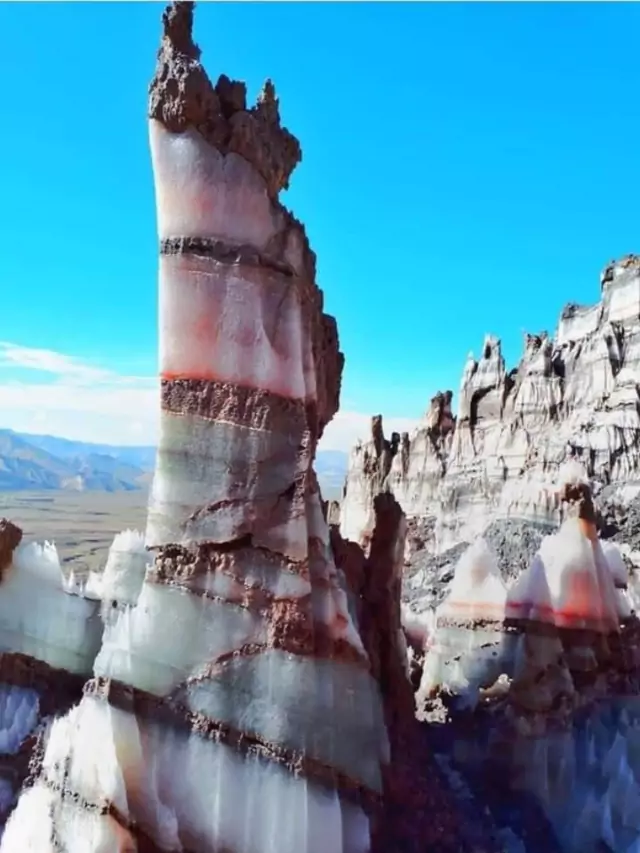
(178, 786)
(40, 618)
(239, 469)
(170, 635)
(569, 583)
(477, 590)
(245, 325)
(328, 709)
(126, 566)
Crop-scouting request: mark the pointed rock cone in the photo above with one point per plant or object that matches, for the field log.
(469, 648)
(567, 607)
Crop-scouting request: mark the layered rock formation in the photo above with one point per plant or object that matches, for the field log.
(234, 705)
(541, 681)
(419, 811)
(48, 641)
(575, 395)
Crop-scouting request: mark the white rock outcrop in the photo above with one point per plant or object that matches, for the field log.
(572, 396)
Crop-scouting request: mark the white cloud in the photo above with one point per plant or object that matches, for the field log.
(78, 401)
(89, 403)
(48, 361)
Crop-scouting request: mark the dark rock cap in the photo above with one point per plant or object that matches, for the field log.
(181, 95)
(10, 538)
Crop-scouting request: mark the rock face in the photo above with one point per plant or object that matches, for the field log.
(10, 538)
(575, 395)
(541, 679)
(234, 705)
(49, 638)
(419, 811)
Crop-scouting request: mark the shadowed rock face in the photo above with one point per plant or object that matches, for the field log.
(540, 680)
(572, 395)
(10, 538)
(419, 812)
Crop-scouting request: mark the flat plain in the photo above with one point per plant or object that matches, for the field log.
(81, 524)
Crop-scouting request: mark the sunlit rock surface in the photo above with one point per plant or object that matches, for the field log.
(467, 648)
(49, 638)
(573, 394)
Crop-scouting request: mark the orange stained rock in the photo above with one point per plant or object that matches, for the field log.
(476, 609)
(579, 609)
(588, 529)
(204, 330)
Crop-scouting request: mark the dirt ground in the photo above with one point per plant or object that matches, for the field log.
(81, 524)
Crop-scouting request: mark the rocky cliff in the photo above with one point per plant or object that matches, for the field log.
(571, 396)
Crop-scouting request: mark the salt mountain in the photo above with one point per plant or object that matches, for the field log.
(237, 679)
(572, 396)
(239, 695)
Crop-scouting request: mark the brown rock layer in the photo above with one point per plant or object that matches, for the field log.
(225, 253)
(57, 688)
(57, 692)
(10, 538)
(169, 712)
(237, 404)
(181, 95)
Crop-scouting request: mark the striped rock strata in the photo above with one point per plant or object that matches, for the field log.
(48, 642)
(551, 668)
(572, 395)
(233, 708)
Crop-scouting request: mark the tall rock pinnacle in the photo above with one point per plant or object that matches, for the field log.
(181, 96)
(233, 706)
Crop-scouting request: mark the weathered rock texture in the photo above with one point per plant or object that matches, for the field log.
(572, 395)
(419, 811)
(234, 704)
(48, 642)
(541, 682)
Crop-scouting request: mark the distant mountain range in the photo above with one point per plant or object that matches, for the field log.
(331, 468)
(42, 462)
(39, 462)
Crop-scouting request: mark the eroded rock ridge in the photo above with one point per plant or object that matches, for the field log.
(572, 396)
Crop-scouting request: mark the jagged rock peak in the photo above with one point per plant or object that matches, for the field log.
(177, 22)
(575, 393)
(182, 95)
(380, 445)
(439, 417)
(627, 264)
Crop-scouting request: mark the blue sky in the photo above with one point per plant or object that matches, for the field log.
(467, 169)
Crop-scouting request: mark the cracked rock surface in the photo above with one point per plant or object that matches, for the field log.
(572, 395)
